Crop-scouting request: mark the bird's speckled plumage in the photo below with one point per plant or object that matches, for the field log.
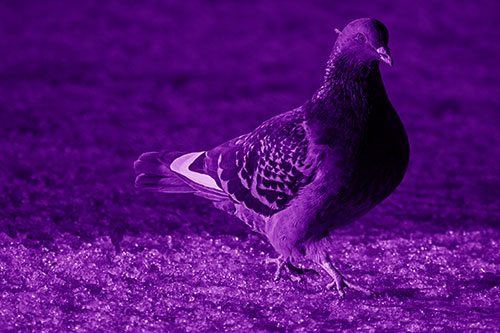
(304, 173)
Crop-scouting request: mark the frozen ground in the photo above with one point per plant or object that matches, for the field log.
(84, 89)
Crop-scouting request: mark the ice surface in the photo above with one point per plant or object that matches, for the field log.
(84, 89)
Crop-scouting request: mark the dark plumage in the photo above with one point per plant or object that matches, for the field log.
(304, 173)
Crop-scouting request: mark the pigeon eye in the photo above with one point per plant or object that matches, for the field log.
(361, 37)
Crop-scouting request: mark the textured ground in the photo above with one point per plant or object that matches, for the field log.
(85, 89)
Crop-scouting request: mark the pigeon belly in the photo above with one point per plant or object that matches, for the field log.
(379, 167)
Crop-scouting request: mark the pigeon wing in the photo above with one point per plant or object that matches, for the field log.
(265, 169)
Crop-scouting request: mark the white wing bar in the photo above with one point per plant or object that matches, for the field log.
(181, 166)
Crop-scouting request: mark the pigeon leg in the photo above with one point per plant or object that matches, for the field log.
(280, 262)
(339, 281)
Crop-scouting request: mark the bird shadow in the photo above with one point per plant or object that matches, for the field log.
(302, 272)
(486, 282)
(401, 293)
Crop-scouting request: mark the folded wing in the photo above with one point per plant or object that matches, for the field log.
(265, 169)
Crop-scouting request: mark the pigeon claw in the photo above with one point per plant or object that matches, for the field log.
(344, 283)
(280, 263)
(338, 286)
(340, 282)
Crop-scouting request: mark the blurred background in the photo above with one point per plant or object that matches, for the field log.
(85, 87)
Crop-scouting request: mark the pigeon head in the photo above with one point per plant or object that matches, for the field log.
(365, 39)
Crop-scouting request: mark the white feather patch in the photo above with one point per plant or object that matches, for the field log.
(181, 166)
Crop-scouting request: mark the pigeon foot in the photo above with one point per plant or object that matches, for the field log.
(340, 282)
(280, 262)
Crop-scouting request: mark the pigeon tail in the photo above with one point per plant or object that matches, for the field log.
(175, 172)
(153, 173)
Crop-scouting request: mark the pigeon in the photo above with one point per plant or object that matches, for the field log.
(303, 174)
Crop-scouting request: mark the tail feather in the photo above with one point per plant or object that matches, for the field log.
(154, 174)
(151, 163)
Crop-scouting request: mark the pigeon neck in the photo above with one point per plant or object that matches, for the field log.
(342, 105)
(347, 79)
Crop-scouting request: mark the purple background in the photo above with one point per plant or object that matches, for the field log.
(84, 89)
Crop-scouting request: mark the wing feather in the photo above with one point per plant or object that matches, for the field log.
(265, 169)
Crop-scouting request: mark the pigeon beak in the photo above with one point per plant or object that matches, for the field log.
(385, 55)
